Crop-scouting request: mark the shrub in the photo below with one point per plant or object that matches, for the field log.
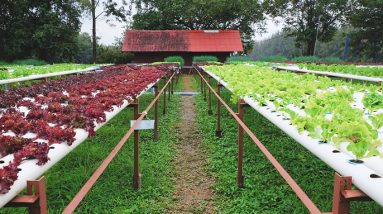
(205, 59)
(305, 59)
(273, 58)
(331, 59)
(34, 62)
(110, 54)
(238, 59)
(177, 59)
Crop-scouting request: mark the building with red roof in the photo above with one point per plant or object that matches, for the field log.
(155, 45)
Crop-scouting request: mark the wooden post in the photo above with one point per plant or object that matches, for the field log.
(344, 194)
(136, 172)
(210, 111)
(156, 133)
(164, 107)
(218, 131)
(35, 200)
(169, 89)
(240, 145)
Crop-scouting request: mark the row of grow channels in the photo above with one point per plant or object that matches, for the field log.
(366, 174)
(29, 170)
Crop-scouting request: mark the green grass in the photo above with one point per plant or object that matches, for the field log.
(265, 190)
(113, 192)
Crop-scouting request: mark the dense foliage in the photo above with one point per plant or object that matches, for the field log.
(176, 59)
(33, 118)
(368, 21)
(43, 29)
(205, 59)
(326, 109)
(238, 58)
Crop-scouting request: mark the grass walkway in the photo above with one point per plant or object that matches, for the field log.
(113, 192)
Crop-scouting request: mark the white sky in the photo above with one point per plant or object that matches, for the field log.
(109, 31)
(271, 28)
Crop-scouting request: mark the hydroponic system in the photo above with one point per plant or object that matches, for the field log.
(42, 123)
(339, 122)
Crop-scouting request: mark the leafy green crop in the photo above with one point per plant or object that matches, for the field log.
(326, 107)
(14, 71)
(347, 69)
(373, 101)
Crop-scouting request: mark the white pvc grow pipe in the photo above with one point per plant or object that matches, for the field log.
(338, 160)
(42, 76)
(332, 74)
(31, 171)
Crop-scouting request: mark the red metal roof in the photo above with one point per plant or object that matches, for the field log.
(182, 41)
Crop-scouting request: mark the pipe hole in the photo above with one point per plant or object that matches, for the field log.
(278, 115)
(19, 169)
(1, 161)
(335, 151)
(51, 147)
(323, 142)
(356, 161)
(273, 111)
(375, 176)
(286, 118)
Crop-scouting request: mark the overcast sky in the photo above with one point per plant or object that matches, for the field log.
(109, 31)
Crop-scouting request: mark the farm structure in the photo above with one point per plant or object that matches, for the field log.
(155, 45)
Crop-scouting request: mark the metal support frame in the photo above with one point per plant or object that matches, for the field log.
(156, 133)
(35, 199)
(343, 194)
(218, 131)
(136, 170)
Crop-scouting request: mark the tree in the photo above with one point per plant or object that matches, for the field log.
(244, 15)
(367, 18)
(309, 20)
(41, 29)
(84, 45)
(110, 9)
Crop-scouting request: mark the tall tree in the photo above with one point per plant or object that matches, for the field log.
(108, 9)
(40, 28)
(245, 15)
(309, 20)
(367, 18)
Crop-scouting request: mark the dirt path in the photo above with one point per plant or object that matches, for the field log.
(193, 184)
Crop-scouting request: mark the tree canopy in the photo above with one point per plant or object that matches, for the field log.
(308, 20)
(43, 29)
(367, 18)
